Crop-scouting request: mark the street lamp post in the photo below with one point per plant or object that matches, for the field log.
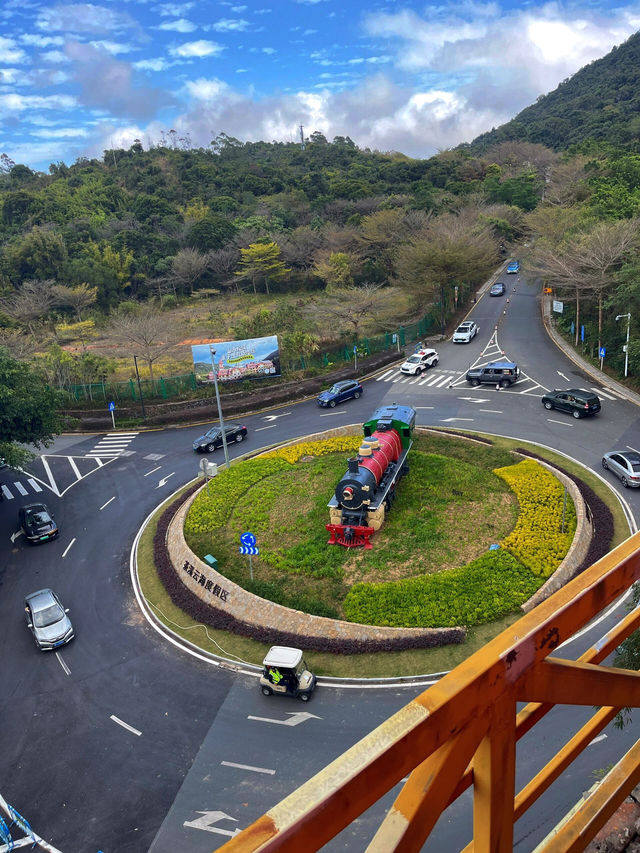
(215, 382)
(626, 349)
(144, 415)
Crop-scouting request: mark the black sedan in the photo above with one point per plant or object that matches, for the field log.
(37, 522)
(212, 439)
(498, 289)
(338, 393)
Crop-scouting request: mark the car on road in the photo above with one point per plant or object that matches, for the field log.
(338, 393)
(498, 289)
(624, 464)
(37, 523)
(502, 373)
(419, 361)
(465, 332)
(212, 439)
(513, 267)
(47, 619)
(575, 401)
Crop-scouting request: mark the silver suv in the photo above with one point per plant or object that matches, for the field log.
(465, 332)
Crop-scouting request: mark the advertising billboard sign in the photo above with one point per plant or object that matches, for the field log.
(253, 358)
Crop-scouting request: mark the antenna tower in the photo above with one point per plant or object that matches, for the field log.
(302, 143)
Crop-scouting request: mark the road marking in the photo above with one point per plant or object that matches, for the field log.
(52, 482)
(63, 664)
(125, 725)
(274, 417)
(492, 411)
(7, 493)
(603, 393)
(384, 375)
(423, 407)
(295, 717)
(35, 486)
(474, 399)
(107, 503)
(562, 423)
(325, 415)
(632, 448)
(208, 819)
(64, 554)
(92, 454)
(448, 420)
(271, 426)
(153, 470)
(74, 468)
(248, 767)
(566, 379)
(15, 535)
(163, 481)
(21, 488)
(597, 739)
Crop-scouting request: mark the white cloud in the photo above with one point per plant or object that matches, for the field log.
(174, 10)
(41, 41)
(208, 90)
(158, 64)
(10, 52)
(112, 47)
(84, 18)
(179, 26)
(14, 103)
(230, 25)
(197, 49)
(63, 132)
(269, 50)
(10, 76)
(54, 56)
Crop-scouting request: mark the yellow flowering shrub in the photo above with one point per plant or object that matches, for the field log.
(293, 452)
(537, 539)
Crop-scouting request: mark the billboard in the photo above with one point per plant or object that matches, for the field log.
(254, 358)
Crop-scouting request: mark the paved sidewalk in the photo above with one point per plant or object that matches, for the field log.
(603, 378)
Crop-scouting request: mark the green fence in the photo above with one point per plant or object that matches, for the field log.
(166, 388)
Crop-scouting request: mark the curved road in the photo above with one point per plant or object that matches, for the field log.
(120, 742)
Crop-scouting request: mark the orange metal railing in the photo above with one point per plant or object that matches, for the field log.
(463, 732)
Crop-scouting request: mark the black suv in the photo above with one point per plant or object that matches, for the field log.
(576, 401)
(502, 373)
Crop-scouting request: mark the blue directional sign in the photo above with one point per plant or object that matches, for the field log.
(112, 406)
(582, 333)
(248, 549)
(248, 539)
(602, 352)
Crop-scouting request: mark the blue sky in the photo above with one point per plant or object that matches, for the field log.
(76, 78)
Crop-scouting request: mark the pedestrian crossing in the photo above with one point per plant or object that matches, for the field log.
(20, 488)
(112, 444)
(433, 378)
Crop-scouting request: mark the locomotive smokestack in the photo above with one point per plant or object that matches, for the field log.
(353, 465)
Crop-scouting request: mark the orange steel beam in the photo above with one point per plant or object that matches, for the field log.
(426, 793)
(566, 682)
(322, 807)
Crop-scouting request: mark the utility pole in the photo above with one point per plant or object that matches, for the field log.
(222, 430)
(626, 348)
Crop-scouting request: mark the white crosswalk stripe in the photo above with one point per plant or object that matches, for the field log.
(112, 444)
(602, 393)
(18, 485)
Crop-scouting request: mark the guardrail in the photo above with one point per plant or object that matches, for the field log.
(463, 731)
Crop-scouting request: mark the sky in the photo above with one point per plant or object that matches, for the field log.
(79, 78)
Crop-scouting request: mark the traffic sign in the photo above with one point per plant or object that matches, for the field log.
(248, 539)
(248, 549)
(602, 352)
(112, 406)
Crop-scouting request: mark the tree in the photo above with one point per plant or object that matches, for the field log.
(353, 306)
(210, 233)
(39, 254)
(335, 270)
(77, 298)
(147, 333)
(27, 410)
(262, 260)
(187, 267)
(31, 302)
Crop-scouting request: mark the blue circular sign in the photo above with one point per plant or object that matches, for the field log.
(248, 539)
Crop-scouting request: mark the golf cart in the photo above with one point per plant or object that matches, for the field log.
(286, 673)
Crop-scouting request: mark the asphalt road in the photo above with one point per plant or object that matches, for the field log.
(119, 742)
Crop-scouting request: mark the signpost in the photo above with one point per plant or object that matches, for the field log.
(112, 407)
(355, 356)
(601, 352)
(248, 546)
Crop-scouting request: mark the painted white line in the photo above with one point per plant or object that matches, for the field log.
(35, 486)
(52, 482)
(271, 426)
(64, 554)
(8, 495)
(122, 434)
(107, 503)
(423, 407)
(75, 468)
(116, 445)
(432, 380)
(384, 375)
(597, 739)
(248, 767)
(562, 423)
(325, 415)
(63, 664)
(444, 381)
(632, 448)
(603, 393)
(492, 411)
(20, 488)
(152, 471)
(107, 454)
(125, 725)
(99, 461)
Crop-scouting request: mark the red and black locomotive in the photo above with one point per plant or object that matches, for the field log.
(365, 492)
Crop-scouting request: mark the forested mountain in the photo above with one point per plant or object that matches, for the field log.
(600, 102)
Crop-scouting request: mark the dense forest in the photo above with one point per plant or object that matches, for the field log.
(324, 242)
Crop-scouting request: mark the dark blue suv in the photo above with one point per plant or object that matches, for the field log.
(339, 392)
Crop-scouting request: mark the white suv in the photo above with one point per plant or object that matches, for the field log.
(465, 332)
(419, 361)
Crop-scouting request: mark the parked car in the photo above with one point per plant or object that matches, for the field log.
(340, 392)
(47, 619)
(624, 464)
(37, 522)
(419, 361)
(212, 439)
(465, 332)
(576, 401)
(498, 289)
(502, 373)
(513, 267)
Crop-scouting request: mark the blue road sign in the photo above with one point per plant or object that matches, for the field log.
(582, 333)
(602, 352)
(248, 539)
(355, 349)
(248, 549)
(112, 406)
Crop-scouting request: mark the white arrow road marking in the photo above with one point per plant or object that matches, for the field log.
(474, 399)
(63, 664)
(566, 379)
(125, 725)
(295, 717)
(163, 481)
(597, 739)
(248, 767)
(273, 417)
(15, 535)
(208, 818)
(448, 420)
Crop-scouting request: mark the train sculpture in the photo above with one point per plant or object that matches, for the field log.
(366, 491)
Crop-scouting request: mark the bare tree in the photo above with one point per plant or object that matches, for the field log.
(32, 301)
(187, 267)
(77, 298)
(353, 306)
(147, 333)
(299, 247)
(20, 346)
(223, 264)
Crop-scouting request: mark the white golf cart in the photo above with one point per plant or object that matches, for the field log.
(285, 672)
